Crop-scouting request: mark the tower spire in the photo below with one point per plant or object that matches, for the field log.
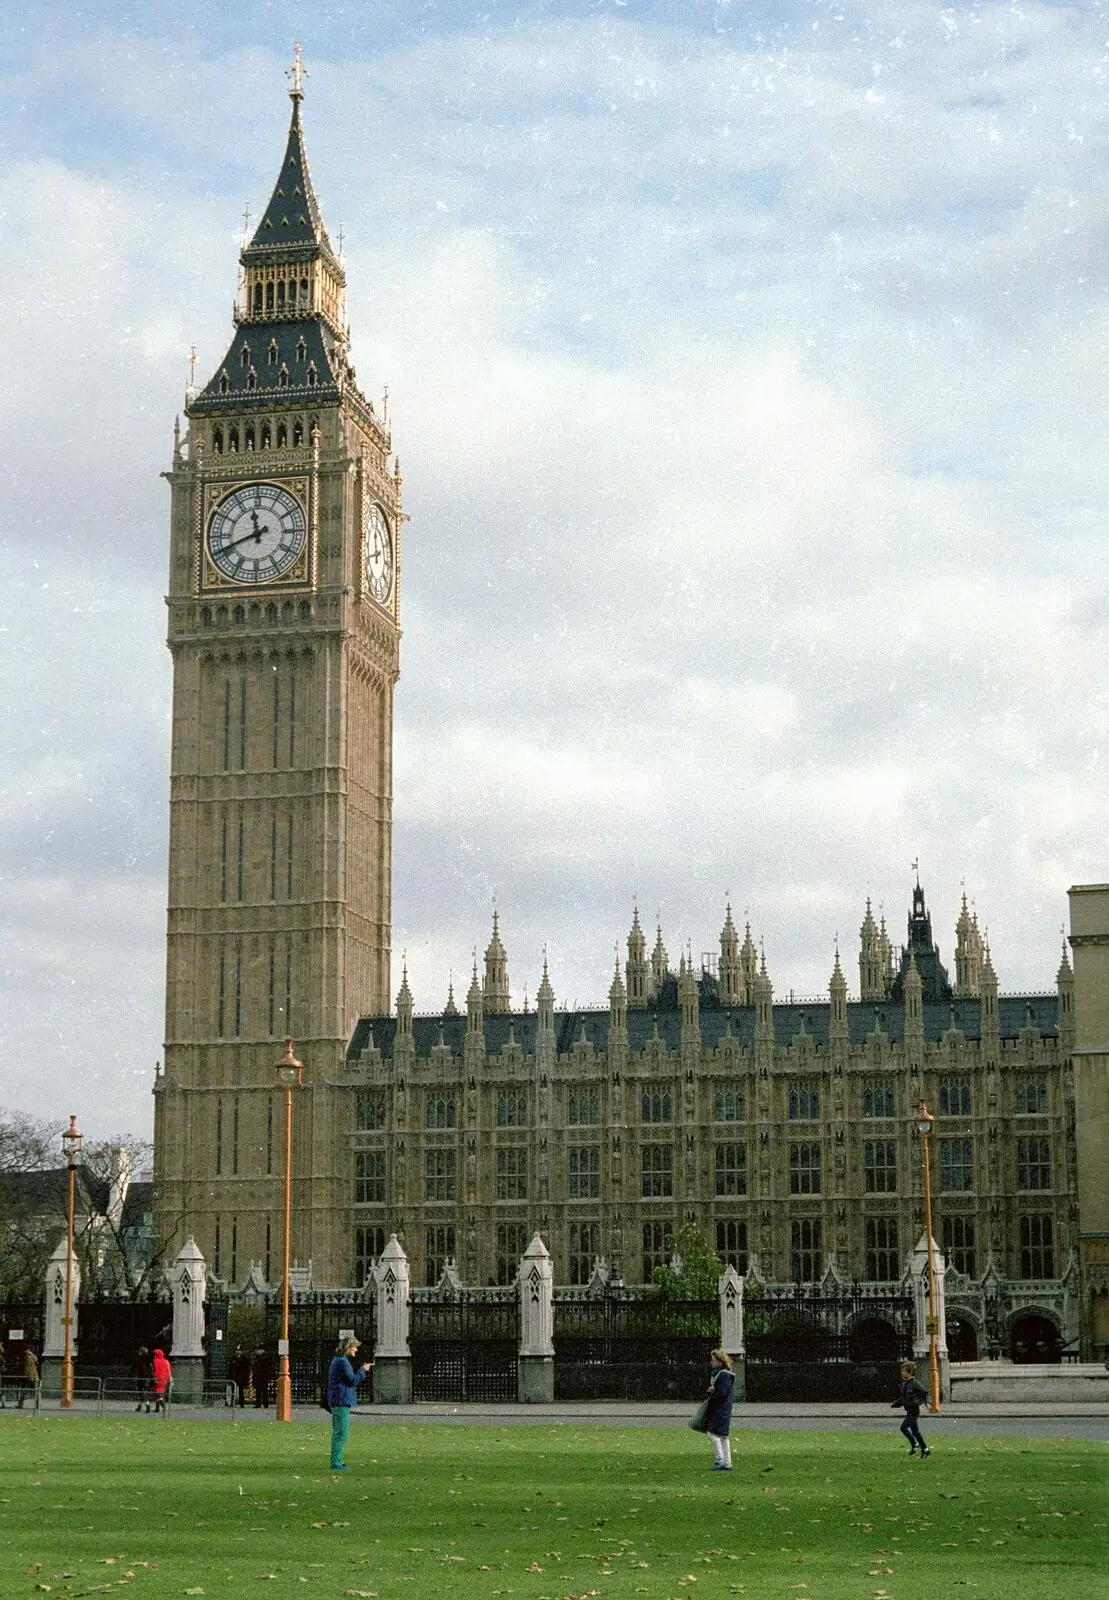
(297, 72)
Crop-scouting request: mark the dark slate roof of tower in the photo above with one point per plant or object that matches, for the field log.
(1015, 1012)
(321, 356)
(293, 216)
(934, 982)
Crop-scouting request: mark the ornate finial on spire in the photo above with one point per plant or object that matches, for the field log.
(916, 869)
(385, 404)
(297, 72)
(342, 236)
(192, 366)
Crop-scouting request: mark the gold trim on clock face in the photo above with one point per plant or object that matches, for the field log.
(256, 534)
(377, 545)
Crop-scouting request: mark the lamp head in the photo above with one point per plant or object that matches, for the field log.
(924, 1120)
(289, 1068)
(72, 1140)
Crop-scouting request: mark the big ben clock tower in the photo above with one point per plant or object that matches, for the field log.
(284, 632)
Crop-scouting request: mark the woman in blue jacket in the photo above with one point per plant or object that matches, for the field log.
(718, 1417)
(342, 1393)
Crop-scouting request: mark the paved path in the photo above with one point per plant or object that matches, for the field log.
(1061, 1420)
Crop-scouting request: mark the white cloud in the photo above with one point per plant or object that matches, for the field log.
(751, 404)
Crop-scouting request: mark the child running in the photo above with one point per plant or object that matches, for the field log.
(913, 1395)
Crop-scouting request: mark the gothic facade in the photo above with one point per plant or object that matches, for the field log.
(784, 1131)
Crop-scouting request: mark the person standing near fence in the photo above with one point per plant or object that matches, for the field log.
(30, 1374)
(161, 1375)
(342, 1393)
(139, 1373)
(718, 1417)
(263, 1367)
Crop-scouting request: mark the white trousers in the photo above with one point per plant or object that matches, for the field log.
(722, 1448)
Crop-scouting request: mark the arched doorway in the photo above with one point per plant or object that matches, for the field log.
(1034, 1338)
(873, 1339)
(962, 1339)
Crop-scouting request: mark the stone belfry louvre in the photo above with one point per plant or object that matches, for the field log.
(284, 632)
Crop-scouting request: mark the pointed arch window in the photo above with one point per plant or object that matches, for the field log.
(217, 441)
(283, 377)
(245, 357)
(312, 375)
(298, 435)
(269, 296)
(233, 442)
(257, 299)
(302, 351)
(252, 379)
(266, 436)
(224, 381)
(281, 295)
(282, 436)
(304, 291)
(272, 356)
(248, 438)
(239, 616)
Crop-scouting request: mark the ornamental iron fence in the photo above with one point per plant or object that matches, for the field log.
(465, 1345)
(625, 1344)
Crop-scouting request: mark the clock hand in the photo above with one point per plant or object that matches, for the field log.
(255, 534)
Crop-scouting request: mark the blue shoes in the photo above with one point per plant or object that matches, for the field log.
(340, 1468)
(718, 1466)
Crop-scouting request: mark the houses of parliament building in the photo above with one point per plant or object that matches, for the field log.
(785, 1132)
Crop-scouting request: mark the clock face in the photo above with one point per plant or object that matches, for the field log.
(378, 545)
(256, 533)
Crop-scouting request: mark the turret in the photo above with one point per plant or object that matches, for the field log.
(495, 994)
(689, 1000)
(732, 986)
(913, 996)
(968, 954)
(544, 1002)
(638, 971)
(837, 994)
(404, 1006)
(763, 997)
(749, 962)
(991, 1020)
(872, 974)
(1064, 981)
(451, 1007)
(660, 964)
(617, 1002)
(885, 956)
(475, 1021)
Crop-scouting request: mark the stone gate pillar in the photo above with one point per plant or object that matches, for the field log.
(731, 1328)
(392, 1356)
(535, 1368)
(918, 1271)
(53, 1348)
(189, 1286)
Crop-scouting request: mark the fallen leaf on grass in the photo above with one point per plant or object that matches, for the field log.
(363, 1594)
(194, 1591)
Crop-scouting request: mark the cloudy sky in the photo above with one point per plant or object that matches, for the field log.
(747, 368)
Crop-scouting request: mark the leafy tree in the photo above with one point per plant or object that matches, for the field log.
(695, 1270)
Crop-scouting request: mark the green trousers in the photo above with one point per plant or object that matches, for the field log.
(340, 1428)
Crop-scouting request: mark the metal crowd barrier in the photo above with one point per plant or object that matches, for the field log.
(88, 1396)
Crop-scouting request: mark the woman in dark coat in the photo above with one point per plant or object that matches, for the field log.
(718, 1418)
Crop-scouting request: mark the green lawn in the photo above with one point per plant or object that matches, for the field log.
(542, 1513)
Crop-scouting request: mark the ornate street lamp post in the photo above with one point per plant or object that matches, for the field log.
(72, 1141)
(289, 1071)
(924, 1124)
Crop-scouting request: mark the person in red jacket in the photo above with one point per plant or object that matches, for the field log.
(160, 1379)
